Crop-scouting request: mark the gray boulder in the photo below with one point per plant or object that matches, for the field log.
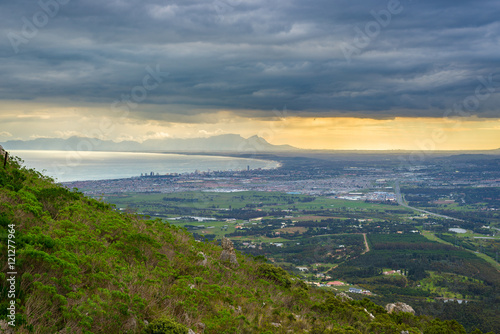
(228, 253)
(399, 307)
(203, 262)
(344, 296)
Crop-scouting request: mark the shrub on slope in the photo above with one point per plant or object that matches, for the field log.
(82, 267)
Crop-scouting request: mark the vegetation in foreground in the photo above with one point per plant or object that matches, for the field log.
(82, 267)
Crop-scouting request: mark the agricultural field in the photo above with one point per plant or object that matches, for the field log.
(432, 272)
(275, 224)
(407, 256)
(240, 200)
(480, 205)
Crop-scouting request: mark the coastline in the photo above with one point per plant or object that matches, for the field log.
(68, 166)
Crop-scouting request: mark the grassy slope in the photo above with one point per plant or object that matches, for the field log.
(85, 268)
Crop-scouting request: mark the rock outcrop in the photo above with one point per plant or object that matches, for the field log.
(344, 296)
(399, 307)
(228, 253)
(369, 314)
(203, 262)
(4, 326)
(4, 155)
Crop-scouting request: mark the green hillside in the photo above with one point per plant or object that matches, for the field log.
(71, 264)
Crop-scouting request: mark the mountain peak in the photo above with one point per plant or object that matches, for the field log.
(219, 143)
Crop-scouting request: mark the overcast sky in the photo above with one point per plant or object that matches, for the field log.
(190, 68)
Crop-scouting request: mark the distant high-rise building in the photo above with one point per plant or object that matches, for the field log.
(248, 167)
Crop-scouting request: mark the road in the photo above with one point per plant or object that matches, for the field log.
(399, 198)
(367, 247)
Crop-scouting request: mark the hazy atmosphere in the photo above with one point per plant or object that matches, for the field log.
(250, 166)
(322, 74)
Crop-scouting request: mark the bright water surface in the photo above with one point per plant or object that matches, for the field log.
(67, 166)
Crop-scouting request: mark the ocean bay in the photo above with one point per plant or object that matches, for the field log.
(65, 166)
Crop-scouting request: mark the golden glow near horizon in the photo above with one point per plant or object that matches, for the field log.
(25, 120)
(393, 134)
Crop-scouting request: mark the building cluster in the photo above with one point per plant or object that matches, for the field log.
(224, 182)
(360, 291)
(377, 196)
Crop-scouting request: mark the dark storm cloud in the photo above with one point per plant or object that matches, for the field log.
(257, 55)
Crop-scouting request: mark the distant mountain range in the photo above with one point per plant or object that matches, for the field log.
(221, 143)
